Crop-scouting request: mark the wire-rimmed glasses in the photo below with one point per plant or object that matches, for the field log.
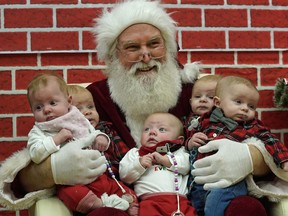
(134, 52)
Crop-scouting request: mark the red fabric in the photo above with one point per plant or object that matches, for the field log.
(165, 205)
(173, 144)
(117, 148)
(245, 206)
(107, 211)
(240, 206)
(72, 195)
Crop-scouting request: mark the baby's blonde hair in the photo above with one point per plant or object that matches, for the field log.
(41, 80)
(77, 89)
(174, 119)
(210, 77)
(227, 81)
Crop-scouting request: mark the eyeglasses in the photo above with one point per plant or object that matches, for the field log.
(134, 53)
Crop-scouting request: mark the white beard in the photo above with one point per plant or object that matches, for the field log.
(139, 96)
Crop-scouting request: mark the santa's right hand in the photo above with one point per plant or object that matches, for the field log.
(75, 164)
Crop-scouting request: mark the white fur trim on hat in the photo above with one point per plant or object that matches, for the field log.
(112, 23)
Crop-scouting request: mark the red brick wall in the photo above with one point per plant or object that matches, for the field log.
(245, 37)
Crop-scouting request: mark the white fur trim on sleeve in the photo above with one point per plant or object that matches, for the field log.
(267, 158)
(8, 170)
(274, 190)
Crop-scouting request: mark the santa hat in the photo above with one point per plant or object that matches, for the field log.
(112, 23)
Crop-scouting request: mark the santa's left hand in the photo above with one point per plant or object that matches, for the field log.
(230, 164)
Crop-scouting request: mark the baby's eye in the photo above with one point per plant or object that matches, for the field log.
(252, 107)
(52, 103)
(211, 97)
(38, 108)
(79, 108)
(162, 129)
(238, 101)
(146, 129)
(91, 107)
(197, 96)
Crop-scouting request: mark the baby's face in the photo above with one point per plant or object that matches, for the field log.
(85, 103)
(49, 102)
(157, 128)
(239, 102)
(202, 97)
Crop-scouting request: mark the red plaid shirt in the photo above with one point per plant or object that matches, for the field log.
(117, 148)
(244, 130)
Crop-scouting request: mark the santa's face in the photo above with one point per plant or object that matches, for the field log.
(140, 43)
(143, 77)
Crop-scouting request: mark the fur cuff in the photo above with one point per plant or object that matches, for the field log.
(273, 190)
(267, 158)
(9, 169)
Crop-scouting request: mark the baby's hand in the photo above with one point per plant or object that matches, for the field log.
(161, 159)
(146, 161)
(63, 135)
(157, 158)
(101, 143)
(285, 166)
(197, 140)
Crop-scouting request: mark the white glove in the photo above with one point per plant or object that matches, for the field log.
(114, 201)
(74, 165)
(229, 165)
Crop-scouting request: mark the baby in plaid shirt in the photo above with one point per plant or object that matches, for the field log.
(232, 117)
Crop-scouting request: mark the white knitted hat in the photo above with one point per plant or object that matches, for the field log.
(112, 23)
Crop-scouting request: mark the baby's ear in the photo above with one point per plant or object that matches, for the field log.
(70, 99)
(181, 139)
(217, 101)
